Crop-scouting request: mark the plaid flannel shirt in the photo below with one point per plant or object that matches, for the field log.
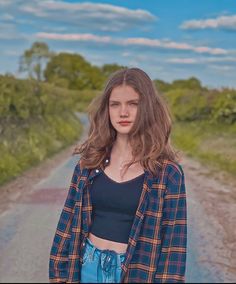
(156, 251)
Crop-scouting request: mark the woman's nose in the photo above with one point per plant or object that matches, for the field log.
(124, 111)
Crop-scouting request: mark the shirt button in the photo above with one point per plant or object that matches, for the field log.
(97, 171)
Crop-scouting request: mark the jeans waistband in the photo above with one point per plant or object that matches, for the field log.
(99, 251)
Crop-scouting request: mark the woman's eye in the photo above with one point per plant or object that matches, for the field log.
(116, 104)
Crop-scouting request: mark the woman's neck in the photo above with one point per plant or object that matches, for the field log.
(122, 148)
(121, 155)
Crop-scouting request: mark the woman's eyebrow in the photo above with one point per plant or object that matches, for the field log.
(135, 100)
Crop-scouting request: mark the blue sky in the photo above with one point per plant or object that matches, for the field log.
(169, 39)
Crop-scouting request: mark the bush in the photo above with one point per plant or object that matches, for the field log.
(224, 107)
(36, 121)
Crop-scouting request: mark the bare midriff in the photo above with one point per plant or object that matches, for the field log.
(104, 244)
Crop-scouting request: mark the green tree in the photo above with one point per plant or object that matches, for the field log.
(74, 72)
(224, 105)
(161, 85)
(33, 59)
(108, 69)
(191, 83)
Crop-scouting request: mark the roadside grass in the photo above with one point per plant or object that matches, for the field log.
(37, 120)
(212, 144)
(25, 146)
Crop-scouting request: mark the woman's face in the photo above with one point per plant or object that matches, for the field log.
(123, 106)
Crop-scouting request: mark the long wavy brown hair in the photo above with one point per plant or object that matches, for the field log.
(150, 135)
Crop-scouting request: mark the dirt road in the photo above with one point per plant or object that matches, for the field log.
(30, 207)
(211, 197)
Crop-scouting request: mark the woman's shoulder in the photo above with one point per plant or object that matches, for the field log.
(172, 168)
(80, 169)
(172, 176)
(77, 167)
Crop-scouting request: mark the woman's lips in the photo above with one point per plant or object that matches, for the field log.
(124, 123)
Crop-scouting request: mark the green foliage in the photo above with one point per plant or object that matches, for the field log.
(191, 83)
(36, 120)
(185, 139)
(191, 102)
(188, 105)
(204, 122)
(108, 69)
(24, 100)
(33, 59)
(161, 86)
(18, 99)
(25, 147)
(224, 106)
(212, 143)
(82, 99)
(72, 71)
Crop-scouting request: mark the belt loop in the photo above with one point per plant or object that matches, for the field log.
(92, 253)
(118, 260)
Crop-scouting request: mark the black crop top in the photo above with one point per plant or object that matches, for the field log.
(114, 206)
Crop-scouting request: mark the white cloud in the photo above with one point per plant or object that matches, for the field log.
(9, 32)
(94, 9)
(12, 53)
(126, 54)
(222, 68)
(103, 17)
(32, 9)
(5, 3)
(182, 60)
(75, 37)
(221, 59)
(174, 45)
(154, 43)
(222, 22)
(202, 60)
(7, 17)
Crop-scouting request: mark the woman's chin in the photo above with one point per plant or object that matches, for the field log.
(123, 132)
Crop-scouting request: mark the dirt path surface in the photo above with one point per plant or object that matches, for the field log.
(211, 197)
(13, 191)
(30, 207)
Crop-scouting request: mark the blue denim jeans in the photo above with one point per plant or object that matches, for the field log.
(100, 266)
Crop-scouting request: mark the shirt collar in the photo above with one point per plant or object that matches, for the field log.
(98, 171)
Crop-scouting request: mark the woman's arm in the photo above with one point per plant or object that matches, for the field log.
(58, 263)
(172, 260)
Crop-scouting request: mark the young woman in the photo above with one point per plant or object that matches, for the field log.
(124, 219)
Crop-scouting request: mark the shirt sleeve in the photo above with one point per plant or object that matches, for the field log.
(58, 262)
(172, 261)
